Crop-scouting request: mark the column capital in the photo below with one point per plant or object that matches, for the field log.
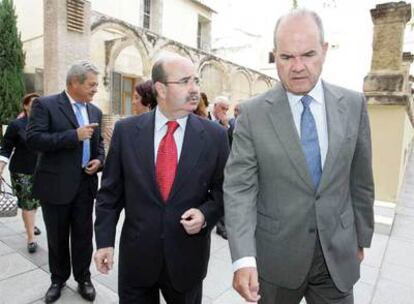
(391, 12)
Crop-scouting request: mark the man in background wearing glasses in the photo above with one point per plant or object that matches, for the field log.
(165, 168)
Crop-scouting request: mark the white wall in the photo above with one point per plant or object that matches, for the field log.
(30, 25)
(29, 18)
(127, 10)
(180, 20)
(348, 27)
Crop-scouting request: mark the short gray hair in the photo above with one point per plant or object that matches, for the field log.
(221, 99)
(79, 69)
(301, 12)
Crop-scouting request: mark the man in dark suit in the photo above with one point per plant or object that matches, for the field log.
(219, 115)
(165, 168)
(64, 128)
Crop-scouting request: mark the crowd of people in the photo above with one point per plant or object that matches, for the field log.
(287, 180)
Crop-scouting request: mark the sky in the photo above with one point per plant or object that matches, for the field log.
(348, 29)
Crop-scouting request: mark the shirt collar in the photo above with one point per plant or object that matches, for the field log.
(161, 120)
(316, 93)
(73, 101)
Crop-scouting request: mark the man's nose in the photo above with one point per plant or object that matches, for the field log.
(298, 65)
(193, 86)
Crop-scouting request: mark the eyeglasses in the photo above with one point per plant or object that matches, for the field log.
(184, 81)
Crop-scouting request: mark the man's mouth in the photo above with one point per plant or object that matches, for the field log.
(193, 98)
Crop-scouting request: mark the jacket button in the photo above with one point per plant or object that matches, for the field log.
(317, 197)
(311, 230)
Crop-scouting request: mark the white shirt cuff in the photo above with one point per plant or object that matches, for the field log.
(4, 159)
(244, 262)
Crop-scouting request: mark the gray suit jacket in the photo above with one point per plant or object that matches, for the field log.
(272, 211)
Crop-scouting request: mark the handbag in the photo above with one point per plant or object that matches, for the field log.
(8, 202)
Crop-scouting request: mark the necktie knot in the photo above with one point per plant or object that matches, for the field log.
(172, 126)
(306, 100)
(79, 105)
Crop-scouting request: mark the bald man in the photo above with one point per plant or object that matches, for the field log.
(165, 169)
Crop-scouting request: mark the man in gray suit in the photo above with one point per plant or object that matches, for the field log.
(298, 184)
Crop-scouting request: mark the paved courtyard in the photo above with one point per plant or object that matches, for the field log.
(387, 275)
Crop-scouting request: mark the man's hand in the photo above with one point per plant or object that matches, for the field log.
(246, 283)
(86, 131)
(222, 117)
(93, 166)
(360, 254)
(192, 220)
(104, 259)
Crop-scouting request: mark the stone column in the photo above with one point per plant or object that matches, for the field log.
(386, 73)
(388, 92)
(66, 39)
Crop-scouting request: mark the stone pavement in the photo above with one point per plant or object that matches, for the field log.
(387, 273)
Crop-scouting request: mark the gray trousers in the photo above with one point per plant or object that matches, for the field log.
(318, 287)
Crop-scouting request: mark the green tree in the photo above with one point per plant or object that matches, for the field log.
(11, 64)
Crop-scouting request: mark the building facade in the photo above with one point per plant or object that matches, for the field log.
(123, 39)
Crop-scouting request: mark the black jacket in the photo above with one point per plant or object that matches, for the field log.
(52, 132)
(152, 232)
(23, 160)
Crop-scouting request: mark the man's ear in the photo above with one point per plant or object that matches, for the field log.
(160, 88)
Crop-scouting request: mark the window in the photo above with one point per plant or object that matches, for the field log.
(203, 33)
(147, 14)
(199, 29)
(122, 91)
(271, 57)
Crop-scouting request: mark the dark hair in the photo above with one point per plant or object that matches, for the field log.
(26, 100)
(145, 90)
(204, 99)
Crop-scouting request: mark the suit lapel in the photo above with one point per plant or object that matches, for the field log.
(193, 145)
(281, 117)
(66, 107)
(335, 108)
(93, 118)
(143, 142)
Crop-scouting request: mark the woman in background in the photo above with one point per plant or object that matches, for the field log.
(143, 99)
(202, 106)
(21, 167)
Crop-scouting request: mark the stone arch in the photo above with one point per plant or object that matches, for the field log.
(172, 47)
(260, 85)
(214, 78)
(126, 33)
(241, 85)
(118, 47)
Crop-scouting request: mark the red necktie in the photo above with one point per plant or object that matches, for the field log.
(166, 165)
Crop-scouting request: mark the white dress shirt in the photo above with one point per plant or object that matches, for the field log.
(318, 109)
(161, 129)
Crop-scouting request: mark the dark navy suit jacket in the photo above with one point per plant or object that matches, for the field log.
(152, 234)
(52, 132)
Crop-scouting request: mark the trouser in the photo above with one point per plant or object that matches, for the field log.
(318, 287)
(129, 293)
(69, 235)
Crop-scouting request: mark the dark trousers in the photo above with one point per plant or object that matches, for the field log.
(221, 227)
(70, 222)
(318, 287)
(129, 293)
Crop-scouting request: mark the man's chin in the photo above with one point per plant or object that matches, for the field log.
(191, 106)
